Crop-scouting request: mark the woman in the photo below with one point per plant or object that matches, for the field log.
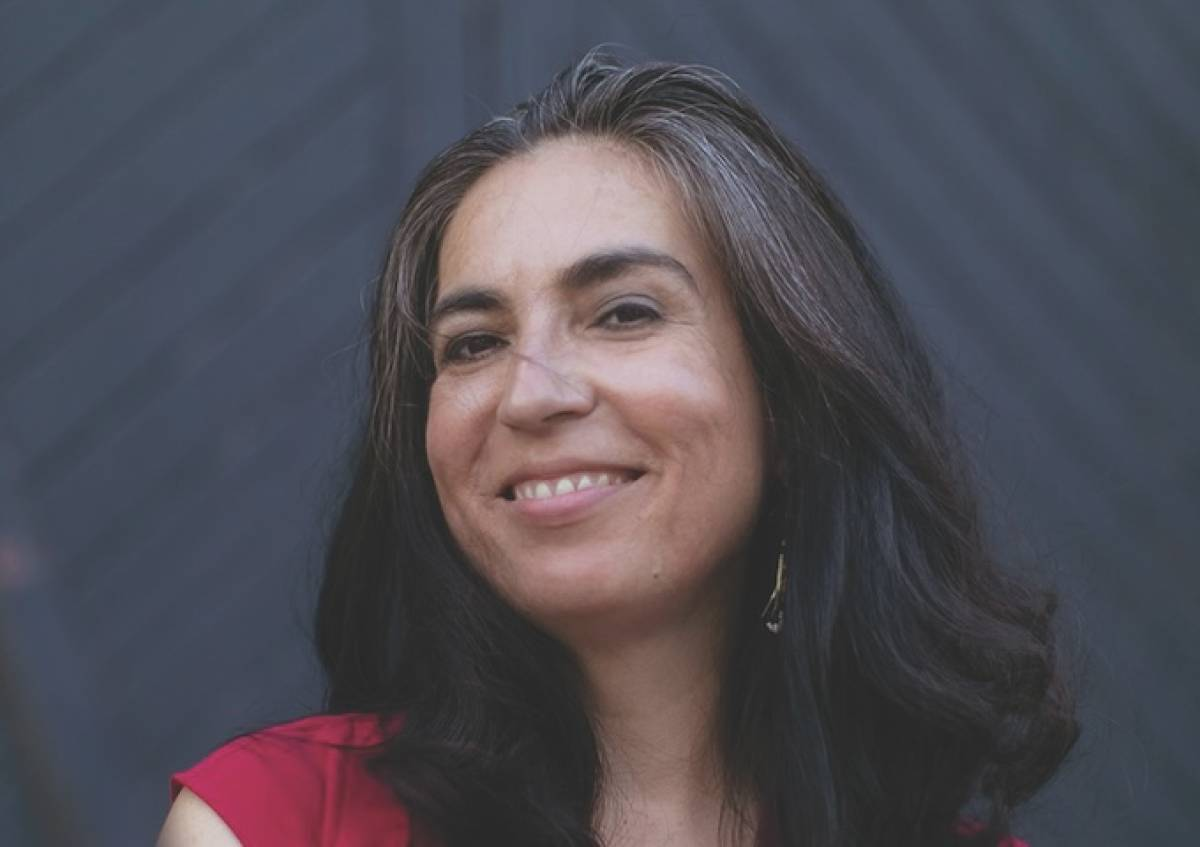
(658, 532)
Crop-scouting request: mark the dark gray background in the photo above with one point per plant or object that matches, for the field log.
(194, 199)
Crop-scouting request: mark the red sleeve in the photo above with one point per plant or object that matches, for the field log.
(293, 787)
(267, 799)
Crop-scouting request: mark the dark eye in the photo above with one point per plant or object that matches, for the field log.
(629, 314)
(467, 348)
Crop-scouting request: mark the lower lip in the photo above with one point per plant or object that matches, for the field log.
(563, 508)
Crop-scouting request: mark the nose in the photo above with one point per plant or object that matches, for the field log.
(543, 388)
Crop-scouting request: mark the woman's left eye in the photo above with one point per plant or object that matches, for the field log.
(629, 314)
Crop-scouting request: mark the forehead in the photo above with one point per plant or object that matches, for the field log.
(538, 212)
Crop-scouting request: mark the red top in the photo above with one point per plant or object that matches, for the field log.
(292, 785)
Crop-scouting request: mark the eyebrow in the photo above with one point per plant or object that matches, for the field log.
(588, 271)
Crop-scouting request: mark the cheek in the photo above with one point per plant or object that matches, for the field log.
(721, 452)
(452, 432)
(702, 407)
(725, 437)
(452, 436)
(437, 439)
(703, 418)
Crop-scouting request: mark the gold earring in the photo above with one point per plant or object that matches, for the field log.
(772, 613)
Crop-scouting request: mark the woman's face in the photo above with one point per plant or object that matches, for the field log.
(595, 430)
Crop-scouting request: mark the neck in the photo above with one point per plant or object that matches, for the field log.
(653, 701)
(654, 708)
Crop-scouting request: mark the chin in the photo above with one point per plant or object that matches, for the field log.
(570, 588)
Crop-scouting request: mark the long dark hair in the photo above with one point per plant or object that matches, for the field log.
(913, 680)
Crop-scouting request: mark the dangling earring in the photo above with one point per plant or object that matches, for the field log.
(772, 613)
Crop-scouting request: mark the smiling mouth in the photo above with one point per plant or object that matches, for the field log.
(546, 489)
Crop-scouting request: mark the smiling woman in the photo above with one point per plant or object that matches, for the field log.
(635, 378)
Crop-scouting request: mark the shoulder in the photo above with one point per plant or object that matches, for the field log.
(303, 781)
(192, 822)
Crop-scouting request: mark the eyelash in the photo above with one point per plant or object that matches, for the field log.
(647, 314)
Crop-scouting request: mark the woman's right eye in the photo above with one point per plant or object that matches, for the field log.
(468, 348)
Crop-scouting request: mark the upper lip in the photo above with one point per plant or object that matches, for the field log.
(561, 467)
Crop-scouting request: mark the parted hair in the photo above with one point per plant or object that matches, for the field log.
(915, 682)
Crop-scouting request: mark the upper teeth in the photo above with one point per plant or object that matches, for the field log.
(542, 488)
